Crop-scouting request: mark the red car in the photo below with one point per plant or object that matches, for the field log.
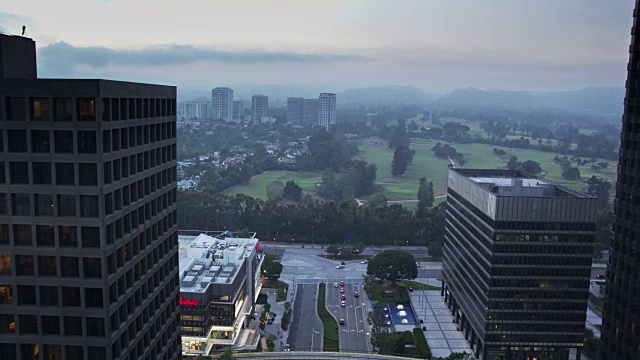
(343, 297)
(355, 294)
(342, 290)
(341, 283)
(342, 322)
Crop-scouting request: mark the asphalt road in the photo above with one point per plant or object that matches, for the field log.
(353, 335)
(305, 332)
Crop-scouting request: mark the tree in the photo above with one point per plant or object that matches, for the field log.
(571, 173)
(513, 163)
(402, 157)
(425, 197)
(600, 189)
(292, 191)
(393, 265)
(377, 200)
(271, 267)
(435, 250)
(531, 167)
(458, 356)
(227, 355)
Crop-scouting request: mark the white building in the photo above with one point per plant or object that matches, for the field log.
(327, 110)
(193, 110)
(259, 107)
(222, 104)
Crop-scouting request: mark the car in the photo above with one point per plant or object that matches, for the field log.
(341, 283)
(342, 322)
(600, 276)
(343, 263)
(287, 347)
(343, 303)
(365, 261)
(339, 266)
(355, 294)
(270, 321)
(342, 290)
(335, 285)
(343, 297)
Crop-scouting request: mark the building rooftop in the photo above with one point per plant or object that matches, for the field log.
(212, 259)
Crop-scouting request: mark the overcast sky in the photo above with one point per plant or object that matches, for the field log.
(437, 45)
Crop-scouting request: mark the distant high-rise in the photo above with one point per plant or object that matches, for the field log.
(222, 104)
(238, 110)
(88, 219)
(260, 108)
(310, 112)
(295, 109)
(193, 110)
(621, 315)
(327, 110)
(517, 263)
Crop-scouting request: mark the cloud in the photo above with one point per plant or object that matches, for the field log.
(62, 57)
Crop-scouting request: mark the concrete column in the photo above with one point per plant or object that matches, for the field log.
(442, 287)
(478, 347)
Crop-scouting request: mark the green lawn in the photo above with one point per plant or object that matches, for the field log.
(257, 186)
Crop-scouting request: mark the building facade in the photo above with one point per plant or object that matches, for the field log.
(517, 263)
(219, 285)
(222, 104)
(238, 110)
(88, 223)
(259, 108)
(621, 315)
(310, 112)
(327, 110)
(295, 109)
(193, 110)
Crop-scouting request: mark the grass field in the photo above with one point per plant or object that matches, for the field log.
(257, 186)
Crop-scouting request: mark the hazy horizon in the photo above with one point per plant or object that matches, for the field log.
(436, 46)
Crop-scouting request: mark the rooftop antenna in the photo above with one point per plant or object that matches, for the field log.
(24, 28)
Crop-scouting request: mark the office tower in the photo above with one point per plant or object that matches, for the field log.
(205, 109)
(327, 110)
(238, 110)
(310, 112)
(295, 108)
(219, 286)
(88, 235)
(517, 263)
(222, 103)
(621, 315)
(260, 108)
(193, 110)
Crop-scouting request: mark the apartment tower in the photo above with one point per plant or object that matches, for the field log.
(310, 112)
(327, 110)
(88, 236)
(517, 263)
(295, 107)
(222, 104)
(621, 315)
(260, 108)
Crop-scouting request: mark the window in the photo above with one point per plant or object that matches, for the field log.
(7, 324)
(5, 264)
(22, 235)
(90, 237)
(26, 295)
(73, 327)
(93, 297)
(24, 265)
(88, 173)
(86, 109)
(17, 140)
(28, 324)
(92, 267)
(50, 325)
(68, 236)
(62, 109)
(86, 142)
(19, 172)
(44, 235)
(4, 234)
(3, 205)
(100, 353)
(67, 205)
(89, 205)
(52, 352)
(69, 267)
(2, 175)
(44, 204)
(21, 204)
(47, 266)
(6, 296)
(15, 110)
(65, 174)
(70, 296)
(106, 141)
(106, 108)
(95, 326)
(39, 109)
(107, 172)
(40, 142)
(48, 296)
(41, 173)
(63, 141)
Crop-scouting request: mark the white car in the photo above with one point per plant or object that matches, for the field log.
(365, 261)
(339, 266)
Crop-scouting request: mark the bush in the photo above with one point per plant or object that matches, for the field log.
(284, 325)
(421, 343)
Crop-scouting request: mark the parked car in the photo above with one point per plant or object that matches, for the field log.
(342, 322)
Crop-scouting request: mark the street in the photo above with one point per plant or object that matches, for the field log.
(305, 332)
(353, 334)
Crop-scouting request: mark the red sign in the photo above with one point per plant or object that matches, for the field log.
(189, 302)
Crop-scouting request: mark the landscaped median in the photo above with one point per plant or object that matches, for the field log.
(331, 334)
(282, 288)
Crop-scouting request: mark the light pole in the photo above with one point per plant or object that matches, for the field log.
(312, 236)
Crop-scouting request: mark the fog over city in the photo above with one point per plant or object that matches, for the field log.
(438, 46)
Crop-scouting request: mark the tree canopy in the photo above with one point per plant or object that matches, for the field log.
(393, 265)
(425, 197)
(271, 267)
(402, 157)
(292, 191)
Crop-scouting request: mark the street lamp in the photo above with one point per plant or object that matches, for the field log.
(312, 236)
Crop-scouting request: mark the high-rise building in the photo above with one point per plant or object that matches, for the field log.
(621, 315)
(205, 109)
(295, 109)
(310, 112)
(327, 110)
(260, 108)
(193, 110)
(238, 110)
(88, 223)
(517, 263)
(222, 104)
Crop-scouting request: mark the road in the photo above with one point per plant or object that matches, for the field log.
(353, 334)
(305, 332)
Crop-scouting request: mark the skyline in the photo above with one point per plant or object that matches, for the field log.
(435, 46)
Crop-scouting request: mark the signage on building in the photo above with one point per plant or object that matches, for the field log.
(189, 302)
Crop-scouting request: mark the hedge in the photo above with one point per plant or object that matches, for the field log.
(421, 343)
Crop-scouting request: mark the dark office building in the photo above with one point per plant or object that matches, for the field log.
(621, 315)
(88, 234)
(517, 263)
(295, 108)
